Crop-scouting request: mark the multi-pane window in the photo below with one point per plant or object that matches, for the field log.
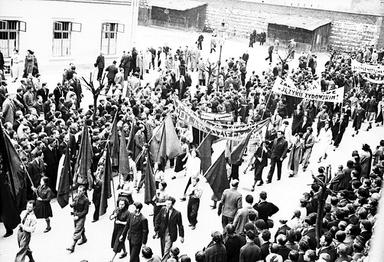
(109, 37)
(62, 33)
(61, 39)
(9, 35)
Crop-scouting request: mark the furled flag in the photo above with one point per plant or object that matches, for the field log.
(82, 175)
(150, 185)
(106, 182)
(114, 142)
(165, 144)
(123, 156)
(238, 152)
(205, 151)
(64, 180)
(13, 185)
(216, 176)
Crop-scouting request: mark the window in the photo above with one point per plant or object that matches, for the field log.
(9, 35)
(62, 32)
(109, 37)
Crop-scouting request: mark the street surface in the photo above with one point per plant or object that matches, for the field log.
(284, 193)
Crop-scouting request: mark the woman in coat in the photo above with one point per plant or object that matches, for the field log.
(43, 206)
(120, 215)
(366, 160)
(324, 140)
(296, 154)
(358, 117)
(30, 66)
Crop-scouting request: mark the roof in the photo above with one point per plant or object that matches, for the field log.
(180, 5)
(299, 22)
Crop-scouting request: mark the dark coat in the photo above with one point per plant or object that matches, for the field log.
(216, 253)
(250, 253)
(136, 229)
(100, 62)
(80, 206)
(233, 246)
(265, 209)
(174, 222)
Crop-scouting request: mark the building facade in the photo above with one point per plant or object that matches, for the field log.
(60, 32)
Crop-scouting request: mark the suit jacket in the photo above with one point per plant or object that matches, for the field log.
(216, 253)
(172, 223)
(137, 229)
(231, 201)
(233, 245)
(250, 253)
(279, 148)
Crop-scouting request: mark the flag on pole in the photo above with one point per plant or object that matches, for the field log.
(83, 165)
(123, 156)
(166, 144)
(106, 182)
(238, 152)
(13, 184)
(64, 180)
(150, 185)
(216, 176)
(114, 142)
(205, 152)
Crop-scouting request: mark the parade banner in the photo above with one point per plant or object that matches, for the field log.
(334, 96)
(373, 81)
(231, 132)
(226, 117)
(367, 68)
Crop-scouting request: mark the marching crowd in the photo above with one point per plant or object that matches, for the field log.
(42, 125)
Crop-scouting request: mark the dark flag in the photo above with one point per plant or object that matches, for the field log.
(205, 152)
(83, 175)
(106, 182)
(114, 142)
(165, 144)
(197, 136)
(132, 132)
(238, 152)
(150, 185)
(123, 156)
(64, 180)
(217, 177)
(13, 184)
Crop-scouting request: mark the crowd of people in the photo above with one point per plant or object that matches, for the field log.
(43, 124)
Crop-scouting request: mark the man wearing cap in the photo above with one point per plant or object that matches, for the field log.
(136, 229)
(278, 153)
(231, 202)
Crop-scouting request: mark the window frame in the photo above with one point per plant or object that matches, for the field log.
(8, 31)
(61, 31)
(106, 31)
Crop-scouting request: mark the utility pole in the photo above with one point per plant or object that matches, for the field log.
(134, 19)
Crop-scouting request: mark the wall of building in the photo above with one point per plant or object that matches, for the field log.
(85, 45)
(348, 31)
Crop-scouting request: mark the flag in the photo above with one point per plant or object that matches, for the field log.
(13, 184)
(114, 142)
(83, 165)
(205, 152)
(238, 152)
(123, 156)
(150, 185)
(217, 178)
(197, 136)
(106, 182)
(166, 144)
(64, 182)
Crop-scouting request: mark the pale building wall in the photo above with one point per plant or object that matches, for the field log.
(85, 45)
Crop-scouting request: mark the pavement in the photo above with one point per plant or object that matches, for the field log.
(285, 193)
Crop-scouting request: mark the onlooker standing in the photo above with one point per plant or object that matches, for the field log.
(242, 215)
(112, 71)
(100, 64)
(231, 201)
(265, 208)
(250, 252)
(216, 251)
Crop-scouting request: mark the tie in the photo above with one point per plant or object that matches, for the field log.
(25, 218)
(167, 218)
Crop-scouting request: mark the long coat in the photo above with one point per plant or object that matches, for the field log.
(358, 118)
(295, 156)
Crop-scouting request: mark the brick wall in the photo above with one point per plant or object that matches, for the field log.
(348, 31)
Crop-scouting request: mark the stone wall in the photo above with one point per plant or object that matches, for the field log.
(348, 31)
